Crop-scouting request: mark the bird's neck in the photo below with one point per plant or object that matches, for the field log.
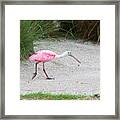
(61, 55)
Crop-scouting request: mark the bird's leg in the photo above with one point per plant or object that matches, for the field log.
(46, 72)
(35, 73)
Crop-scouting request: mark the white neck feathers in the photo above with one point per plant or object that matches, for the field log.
(62, 55)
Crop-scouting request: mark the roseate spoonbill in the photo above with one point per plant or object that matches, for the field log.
(45, 56)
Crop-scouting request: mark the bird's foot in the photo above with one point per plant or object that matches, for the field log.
(34, 74)
(50, 78)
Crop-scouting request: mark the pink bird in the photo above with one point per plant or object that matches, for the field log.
(46, 56)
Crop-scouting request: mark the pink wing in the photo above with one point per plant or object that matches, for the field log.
(42, 56)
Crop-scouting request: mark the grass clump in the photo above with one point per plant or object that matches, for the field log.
(50, 96)
(31, 31)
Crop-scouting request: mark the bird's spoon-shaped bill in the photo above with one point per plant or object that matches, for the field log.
(75, 58)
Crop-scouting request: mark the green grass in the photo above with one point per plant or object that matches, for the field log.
(50, 96)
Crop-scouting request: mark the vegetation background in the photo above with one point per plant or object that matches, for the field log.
(36, 30)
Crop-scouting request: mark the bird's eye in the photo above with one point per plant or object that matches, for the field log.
(69, 53)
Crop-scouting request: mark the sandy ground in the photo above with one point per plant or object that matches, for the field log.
(69, 77)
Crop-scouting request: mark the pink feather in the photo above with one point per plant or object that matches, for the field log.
(43, 56)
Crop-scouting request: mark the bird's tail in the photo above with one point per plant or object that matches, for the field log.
(32, 58)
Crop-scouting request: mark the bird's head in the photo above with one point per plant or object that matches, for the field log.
(68, 53)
